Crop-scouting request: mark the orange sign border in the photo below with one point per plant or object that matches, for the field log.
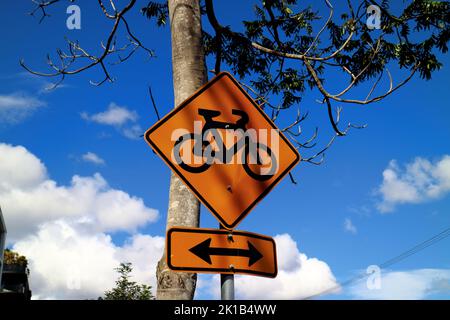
(179, 174)
(220, 270)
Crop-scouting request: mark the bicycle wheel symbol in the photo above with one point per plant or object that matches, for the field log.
(258, 160)
(185, 153)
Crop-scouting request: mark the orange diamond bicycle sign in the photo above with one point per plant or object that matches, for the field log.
(224, 148)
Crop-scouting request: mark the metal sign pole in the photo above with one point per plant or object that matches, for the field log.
(226, 284)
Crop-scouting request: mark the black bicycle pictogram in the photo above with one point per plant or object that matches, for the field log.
(251, 155)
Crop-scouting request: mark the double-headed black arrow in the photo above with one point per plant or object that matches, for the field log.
(204, 251)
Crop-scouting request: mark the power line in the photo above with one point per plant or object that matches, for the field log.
(419, 247)
(440, 236)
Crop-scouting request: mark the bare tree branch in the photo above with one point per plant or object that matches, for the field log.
(329, 5)
(41, 6)
(153, 102)
(76, 52)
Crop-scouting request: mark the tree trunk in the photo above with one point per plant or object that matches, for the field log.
(188, 75)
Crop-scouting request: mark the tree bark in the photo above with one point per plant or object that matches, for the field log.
(189, 74)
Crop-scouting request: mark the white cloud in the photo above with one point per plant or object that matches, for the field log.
(349, 226)
(406, 285)
(29, 198)
(208, 287)
(92, 158)
(420, 181)
(298, 277)
(19, 168)
(123, 119)
(144, 252)
(133, 132)
(67, 263)
(88, 199)
(114, 116)
(16, 107)
(63, 230)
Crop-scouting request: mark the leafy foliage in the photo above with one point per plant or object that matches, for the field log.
(285, 26)
(156, 10)
(289, 48)
(126, 289)
(12, 257)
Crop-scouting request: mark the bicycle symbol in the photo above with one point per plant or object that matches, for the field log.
(252, 155)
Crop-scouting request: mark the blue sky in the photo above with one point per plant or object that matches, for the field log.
(411, 124)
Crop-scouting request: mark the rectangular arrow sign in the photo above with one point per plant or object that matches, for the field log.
(221, 251)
